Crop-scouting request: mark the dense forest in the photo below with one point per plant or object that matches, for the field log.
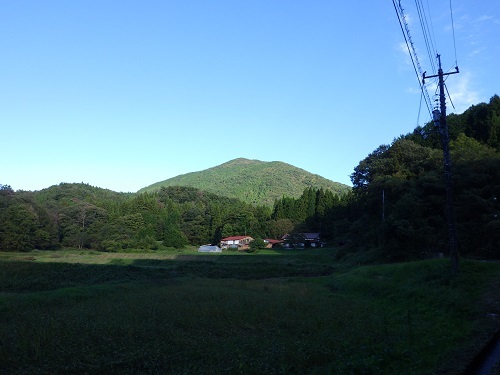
(396, 208)
(399, 192)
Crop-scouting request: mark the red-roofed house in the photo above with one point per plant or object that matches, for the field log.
(239, 242)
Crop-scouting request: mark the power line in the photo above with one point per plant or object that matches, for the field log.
(453, 29)
(425, 32)
(420, 107)
(449, 97)
(432, 29)
(413, 54)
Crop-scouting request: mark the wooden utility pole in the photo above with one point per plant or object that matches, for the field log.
(442, 126)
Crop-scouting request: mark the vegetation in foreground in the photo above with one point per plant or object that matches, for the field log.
(271, 312)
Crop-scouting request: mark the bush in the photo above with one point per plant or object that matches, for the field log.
(256, 244)
(146, 243)
(110, 246)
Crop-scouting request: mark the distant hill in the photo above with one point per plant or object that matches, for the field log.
(252, 181)
(83, 192)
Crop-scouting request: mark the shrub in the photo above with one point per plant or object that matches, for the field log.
(256, 244)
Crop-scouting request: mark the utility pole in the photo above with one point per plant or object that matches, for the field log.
(440, 123)
(383, 205)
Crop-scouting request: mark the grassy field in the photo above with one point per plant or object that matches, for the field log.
(293, 312)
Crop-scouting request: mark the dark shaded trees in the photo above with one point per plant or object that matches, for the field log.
(393, 202)
(400, 196)
(24, 224)
(316, 210)
(206, 217)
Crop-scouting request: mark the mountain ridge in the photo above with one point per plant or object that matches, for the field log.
(252, 181)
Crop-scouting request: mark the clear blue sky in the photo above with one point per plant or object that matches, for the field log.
(122, 94)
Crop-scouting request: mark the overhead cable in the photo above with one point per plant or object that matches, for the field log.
(425, 32)
(453, 29)
(413, 54)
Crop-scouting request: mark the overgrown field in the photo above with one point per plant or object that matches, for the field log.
(268, 313)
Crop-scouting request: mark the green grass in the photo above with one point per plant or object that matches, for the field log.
(272, 312)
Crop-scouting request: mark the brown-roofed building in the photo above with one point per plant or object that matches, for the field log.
(271, 243)
(236, 242)
(301, 240)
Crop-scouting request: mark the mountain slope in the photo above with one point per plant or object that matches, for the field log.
(252, 181)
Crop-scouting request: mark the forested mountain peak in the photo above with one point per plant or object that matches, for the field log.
(252, 181)
(240, 161)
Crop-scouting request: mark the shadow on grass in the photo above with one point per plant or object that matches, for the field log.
(16, 276)
(213, 315)
(23, 276)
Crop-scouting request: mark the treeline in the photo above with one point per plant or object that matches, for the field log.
(396, 208)
(317, 210)
(82, 216)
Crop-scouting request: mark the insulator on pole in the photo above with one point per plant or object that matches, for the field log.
(436, 116)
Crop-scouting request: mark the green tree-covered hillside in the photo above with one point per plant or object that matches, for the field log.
(252, 181)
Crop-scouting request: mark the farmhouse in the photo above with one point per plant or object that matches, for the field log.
(236, 242)
(301, 240)
(271, 243)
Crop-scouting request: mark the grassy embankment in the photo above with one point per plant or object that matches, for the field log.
(294, 312)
